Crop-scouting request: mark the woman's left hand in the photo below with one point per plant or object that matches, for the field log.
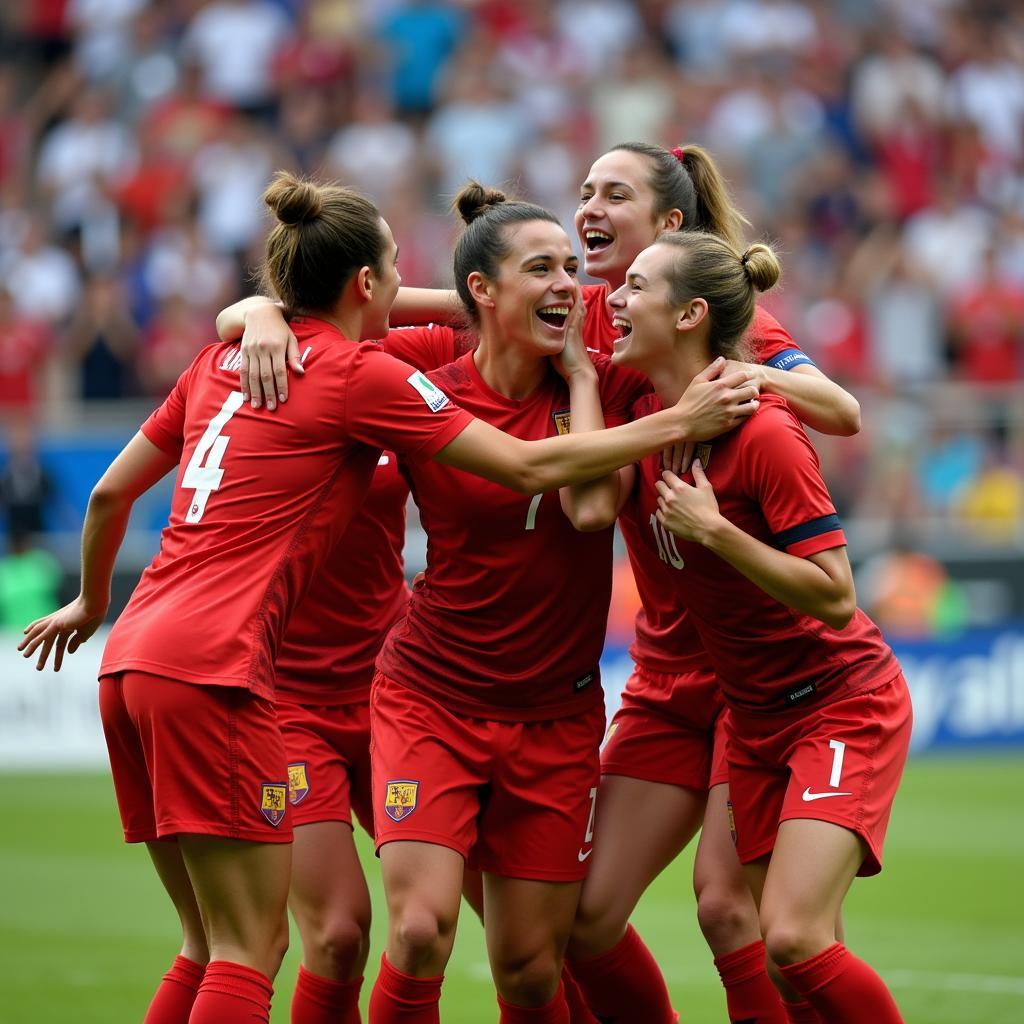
(63, 630)
(573, 359)
(688, 511)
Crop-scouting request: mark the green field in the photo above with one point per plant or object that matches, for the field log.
(85, 930)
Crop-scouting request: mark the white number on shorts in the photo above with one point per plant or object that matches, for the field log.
(202, 478)
(666, 541)
(531, 512)
(590, 821)
(839, 749)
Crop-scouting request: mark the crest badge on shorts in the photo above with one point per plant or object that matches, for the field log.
(400, 799)
(298, 783)
(274, 801)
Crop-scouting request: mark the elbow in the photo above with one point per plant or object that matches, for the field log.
(107, 497)
(840, 611)
(592, 520)
(851, 422)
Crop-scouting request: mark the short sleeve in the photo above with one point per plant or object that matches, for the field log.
(166, 426)
(426, 348)
(619, 388)
(781, 472)
(773, 345)
(390, 404)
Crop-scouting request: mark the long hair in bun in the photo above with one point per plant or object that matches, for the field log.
(483, 244)
(324, 234)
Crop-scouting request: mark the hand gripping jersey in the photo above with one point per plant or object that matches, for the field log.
(260, 499)
(360, 591)
(509, 620)
(767, 656)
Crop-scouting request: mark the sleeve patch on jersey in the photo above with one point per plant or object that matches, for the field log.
(813, 528)
(434, 397)
(563, 424)
(788, 358)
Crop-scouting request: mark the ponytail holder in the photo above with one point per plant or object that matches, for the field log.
(679, 155)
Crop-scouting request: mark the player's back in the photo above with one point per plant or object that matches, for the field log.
(259, 498)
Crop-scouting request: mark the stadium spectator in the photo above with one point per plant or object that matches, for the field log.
(30, 581)
(26, 488)
(25, 348)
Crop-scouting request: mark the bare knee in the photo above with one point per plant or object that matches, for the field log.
(599, 924)
(790, 941)
(420, 939)
(727, 916)
(339, 946)
(529, 980)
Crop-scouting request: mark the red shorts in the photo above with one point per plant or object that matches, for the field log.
(195, 759)
(665, 728)
(514, 798)
(839, 762)
(328, 751)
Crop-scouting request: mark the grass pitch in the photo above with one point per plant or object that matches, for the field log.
(86, 931)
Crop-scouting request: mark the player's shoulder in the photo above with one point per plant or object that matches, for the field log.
(456, 376)
(773, 418)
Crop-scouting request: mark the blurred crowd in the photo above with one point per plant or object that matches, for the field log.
(878, 143)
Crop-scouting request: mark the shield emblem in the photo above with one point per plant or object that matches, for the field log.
(273, 802)
(298, 783)
(400, 798)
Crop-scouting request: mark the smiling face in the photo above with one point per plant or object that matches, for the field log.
(643, 311)
(616, 218)
(535, 287)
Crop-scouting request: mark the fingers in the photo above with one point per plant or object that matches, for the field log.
(255, 386)
(243, 377)
(688, 449)
(267, 381)
(699, 476)
(737, 380)
(58, 653)
(279, 365)
(712, 371)
(294, 361)
(44, 651)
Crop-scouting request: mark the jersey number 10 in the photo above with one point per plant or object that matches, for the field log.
(203, 473)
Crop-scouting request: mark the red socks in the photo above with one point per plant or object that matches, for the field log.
(843, 989)
(749, 993)
(624, 984)
(554, 1012)
(172, 1001)
(579, 1012)
(399, 998)
(325, 1001)
(802, 1013)
(232, 994)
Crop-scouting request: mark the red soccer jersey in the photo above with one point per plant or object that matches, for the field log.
(766, 479)
(666, 640)
(509, 620)
(261, 499)
(360, 591)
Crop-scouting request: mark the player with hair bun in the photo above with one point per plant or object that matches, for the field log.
(486, 714)
(187, 679)
(819, 714)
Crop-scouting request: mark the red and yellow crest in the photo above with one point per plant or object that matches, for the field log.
(400, 798)
(298, 783)
(563, 423)
(273, 802)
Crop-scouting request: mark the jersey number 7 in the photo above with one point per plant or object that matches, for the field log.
(205, 478)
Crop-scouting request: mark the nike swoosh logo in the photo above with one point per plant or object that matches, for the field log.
(808, 795)
(583, 856)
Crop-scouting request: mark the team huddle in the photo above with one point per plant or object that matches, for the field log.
(273, 673)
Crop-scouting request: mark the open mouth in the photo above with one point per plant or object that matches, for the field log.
(554, 316)
(624, 327)
(596, 240)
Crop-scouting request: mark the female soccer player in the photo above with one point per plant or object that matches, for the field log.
(819, 714)
(187, 675)
(486, 713)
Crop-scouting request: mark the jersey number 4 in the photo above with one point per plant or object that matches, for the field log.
(203, 473)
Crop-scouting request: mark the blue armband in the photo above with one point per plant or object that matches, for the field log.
(788, 358)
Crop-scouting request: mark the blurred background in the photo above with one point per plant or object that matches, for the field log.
(878, 143)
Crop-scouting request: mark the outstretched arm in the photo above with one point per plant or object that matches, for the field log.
(139, 466)
(711, 405)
